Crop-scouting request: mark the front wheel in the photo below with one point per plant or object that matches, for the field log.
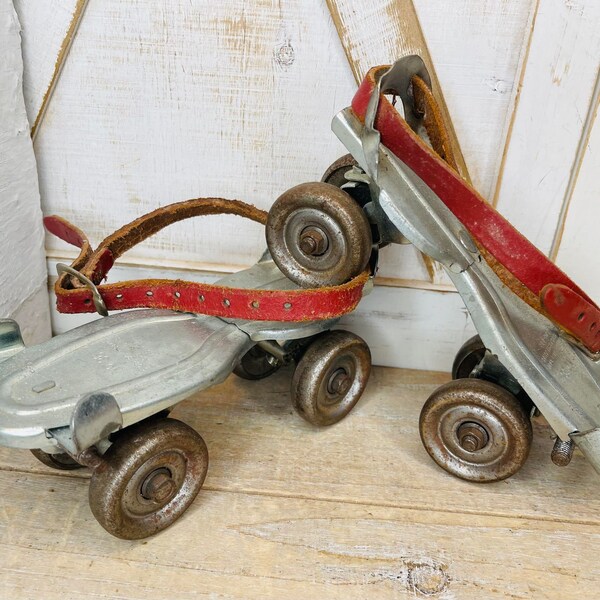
(149, 477)
(61, 461)
(476, 430)
(318, 235)
(331, 377)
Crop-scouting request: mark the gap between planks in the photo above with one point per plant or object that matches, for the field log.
(242, 491)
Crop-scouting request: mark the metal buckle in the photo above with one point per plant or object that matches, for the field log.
(99, 304)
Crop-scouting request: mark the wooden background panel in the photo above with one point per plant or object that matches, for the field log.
(177, 100)
(44, 30)
(578, 251)
(541, 158)
(229, 99)
(478, 49)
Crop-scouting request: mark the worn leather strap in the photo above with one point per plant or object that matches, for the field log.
(518, 263)
(261, 305)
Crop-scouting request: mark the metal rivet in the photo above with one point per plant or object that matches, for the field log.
(255, 304)
(149, 293)
(201, 297)
(226, 302)
(177, 295)
(287, 305)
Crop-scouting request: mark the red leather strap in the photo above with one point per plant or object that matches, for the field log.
(566, 306)
(262, 305)
(517, 261)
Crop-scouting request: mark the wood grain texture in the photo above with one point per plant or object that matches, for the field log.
(23, 275)
(549, 120)
(353, 511)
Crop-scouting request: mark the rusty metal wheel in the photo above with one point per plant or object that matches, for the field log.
(149, 477)
(468, 357)
(61, 461)
(331, 377)
(336, 171)
(476, 430)
(256, 364)
(318, 235)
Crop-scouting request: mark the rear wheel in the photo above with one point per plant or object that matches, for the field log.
(468, 357)
(256, 364)
(61, 461)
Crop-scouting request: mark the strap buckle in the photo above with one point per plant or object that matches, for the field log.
(99, 304)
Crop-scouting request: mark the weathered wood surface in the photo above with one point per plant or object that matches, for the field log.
(159, 103)
(354, 511)
(549, 124)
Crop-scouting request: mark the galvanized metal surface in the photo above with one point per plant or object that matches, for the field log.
(562, 380)
(147, 360)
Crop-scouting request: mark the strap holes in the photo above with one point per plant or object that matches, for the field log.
(287, 305)
(581, 316)
(87, 301)
(177, 295)
(119, 296)
(201, 297)
(593, 326)
(149, 293)
(226, 302)
(255, 304)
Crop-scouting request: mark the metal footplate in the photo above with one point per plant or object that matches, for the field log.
(72, 391)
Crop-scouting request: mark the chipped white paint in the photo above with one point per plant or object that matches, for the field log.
(43, 25)
(549, 120)
(22, 269)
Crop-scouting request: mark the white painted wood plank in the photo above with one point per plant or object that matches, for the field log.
(22, 268)
(177, 105)
(44, 26)
(578, 254)
(160, 102)
(554, 100)
(475, 48)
